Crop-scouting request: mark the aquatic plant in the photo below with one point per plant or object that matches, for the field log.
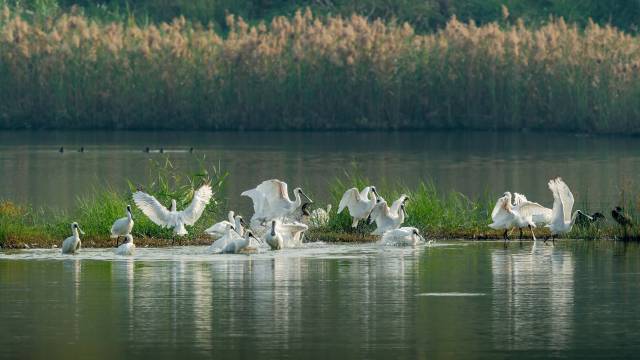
(96, 212)
(308, 72)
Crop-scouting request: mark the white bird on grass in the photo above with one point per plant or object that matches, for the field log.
(395, 206)
(271, 200)
(122, 226)
(561, 218)
(505, 217)
(219, 229)
(127, 247)
(72, 244)
(172, 218)
(539, 215)
(404, 236)
(386, 220)
(360, 204)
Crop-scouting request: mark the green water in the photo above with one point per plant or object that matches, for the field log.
(453, 300)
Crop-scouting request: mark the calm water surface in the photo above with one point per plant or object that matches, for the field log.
(596, 168)
(453, 300)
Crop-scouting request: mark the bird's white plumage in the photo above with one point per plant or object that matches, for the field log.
(395, 206)
(359, 204)
(404, 236)
(229, 236)
(273, 238)
(271, 200)
(505, 217)
(127, 248)
(561, 218)
(174, 219)
(219, 229)
(384, 219)
(239, 244)
(72, 244)
(122, 226)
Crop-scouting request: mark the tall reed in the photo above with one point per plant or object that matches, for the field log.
(306, 72)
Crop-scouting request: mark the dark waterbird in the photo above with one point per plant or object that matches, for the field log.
(81, 149)
(583, 220)
(621, 217)
(61, 149)
(191, 150)
(146, 149)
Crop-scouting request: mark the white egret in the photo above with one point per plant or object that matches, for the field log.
(403, 236)
(271, 200)
(127, 247)
(386, 220)
(273, 238)
(219, 229)
(561, 218)
(359, 204)
(122, 226)
(172, 218)
(72, 244)
(241, 244)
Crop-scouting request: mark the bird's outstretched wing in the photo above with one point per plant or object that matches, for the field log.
(534, 210)
(566, 197)
(199, 202)
(557, 212)
(151, 207)
(498, 207)
(349, 198)
(274, 191)
(260, 206)
(519, 199)
(395, 206)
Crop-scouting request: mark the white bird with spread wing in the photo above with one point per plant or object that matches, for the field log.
(561, 218)
(539, 214)
(271, 201)
(219, 229)
(172, 218)
(359, 204)
(385, 219)
(505, 217)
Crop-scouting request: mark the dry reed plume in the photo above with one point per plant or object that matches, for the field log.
(316, 73)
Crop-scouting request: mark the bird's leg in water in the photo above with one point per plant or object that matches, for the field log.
(532, 234)
(506, 237)
(117, 241)
(521, 234)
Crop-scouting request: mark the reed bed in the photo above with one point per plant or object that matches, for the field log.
(305, 72)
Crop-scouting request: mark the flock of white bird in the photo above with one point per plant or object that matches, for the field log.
(516, 212)
(279, 222)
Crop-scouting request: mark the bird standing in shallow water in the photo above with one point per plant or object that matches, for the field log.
(72, 244)
(122, 226)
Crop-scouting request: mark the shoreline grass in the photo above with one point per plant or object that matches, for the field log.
(307, 72)
(448, 216)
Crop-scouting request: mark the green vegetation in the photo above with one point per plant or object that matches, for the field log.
(438, 216)
(24, 225)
